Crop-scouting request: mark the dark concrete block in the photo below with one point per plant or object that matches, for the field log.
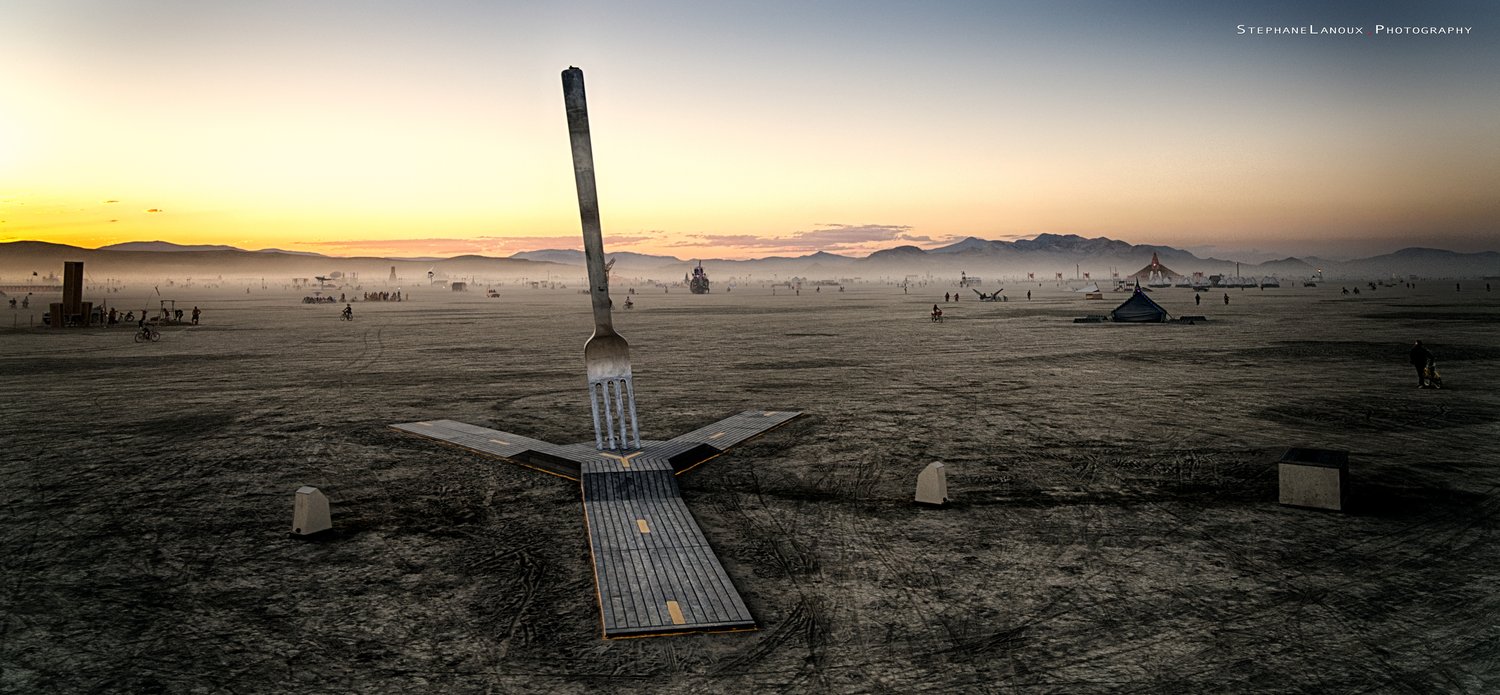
(1314, 478)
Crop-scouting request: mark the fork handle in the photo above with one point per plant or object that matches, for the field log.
(588, 197)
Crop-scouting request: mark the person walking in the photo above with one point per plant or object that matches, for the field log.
(1028, 295)
(195, 315)
(1226, 299)
(1420, 356)
(1197, 299)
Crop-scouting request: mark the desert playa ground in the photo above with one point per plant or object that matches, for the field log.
(1114, 524)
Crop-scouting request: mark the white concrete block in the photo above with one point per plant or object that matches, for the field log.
(932, 485)
(310, 512)
(1316, 478)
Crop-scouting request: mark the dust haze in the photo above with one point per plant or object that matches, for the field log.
(1114, 525)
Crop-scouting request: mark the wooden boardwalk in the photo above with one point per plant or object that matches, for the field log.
(654, 570)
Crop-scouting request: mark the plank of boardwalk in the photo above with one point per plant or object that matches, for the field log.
(532, 453)
(656, 571)
(735, 429)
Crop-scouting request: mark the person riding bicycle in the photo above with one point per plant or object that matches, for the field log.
(348, 312)
(142, 331)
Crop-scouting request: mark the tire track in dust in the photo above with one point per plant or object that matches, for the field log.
(808, 617)
(364, 360)
(1296, 602)
(379, 349)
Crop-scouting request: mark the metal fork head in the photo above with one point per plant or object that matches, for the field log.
(615, 398)
(611, 390)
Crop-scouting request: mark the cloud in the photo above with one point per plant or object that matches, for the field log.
(484, 245)
(66, 224)
(824, 237)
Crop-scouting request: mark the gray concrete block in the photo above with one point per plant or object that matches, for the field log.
(1314, 478)
(310, 512)
(932, 485)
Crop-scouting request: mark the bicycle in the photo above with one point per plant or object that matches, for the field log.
(147, 333)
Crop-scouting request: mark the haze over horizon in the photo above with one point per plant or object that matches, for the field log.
(740, 130)
(1253, 256)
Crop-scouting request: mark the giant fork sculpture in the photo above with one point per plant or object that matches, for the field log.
(654, 571)
(606, 354)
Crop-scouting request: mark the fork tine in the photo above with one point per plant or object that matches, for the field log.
(594, 406)
(619, 428)
(620, 409)
(609, 423)
(635, 428)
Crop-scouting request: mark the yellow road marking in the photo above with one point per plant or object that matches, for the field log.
(676, 612)
(497, 441)
(641, 524)
(424, 424)
(769, 413)
(624, 460)
(716, 435)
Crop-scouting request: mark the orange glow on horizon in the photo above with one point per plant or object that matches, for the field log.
(287, 129)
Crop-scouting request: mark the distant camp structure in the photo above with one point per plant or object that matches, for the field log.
(698, 284)
(1139, 309)
(72, 310)
(1197, 282)
(1155, 274)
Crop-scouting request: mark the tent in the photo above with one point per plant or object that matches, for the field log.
(1139, 309)
(1093, 287)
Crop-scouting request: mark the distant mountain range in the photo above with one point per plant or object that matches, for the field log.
(165, 246)
(20, 259)
(1044, 255)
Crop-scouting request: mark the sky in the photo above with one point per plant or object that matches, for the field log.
(746, 129)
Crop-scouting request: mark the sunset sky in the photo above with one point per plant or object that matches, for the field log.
(739, 129)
